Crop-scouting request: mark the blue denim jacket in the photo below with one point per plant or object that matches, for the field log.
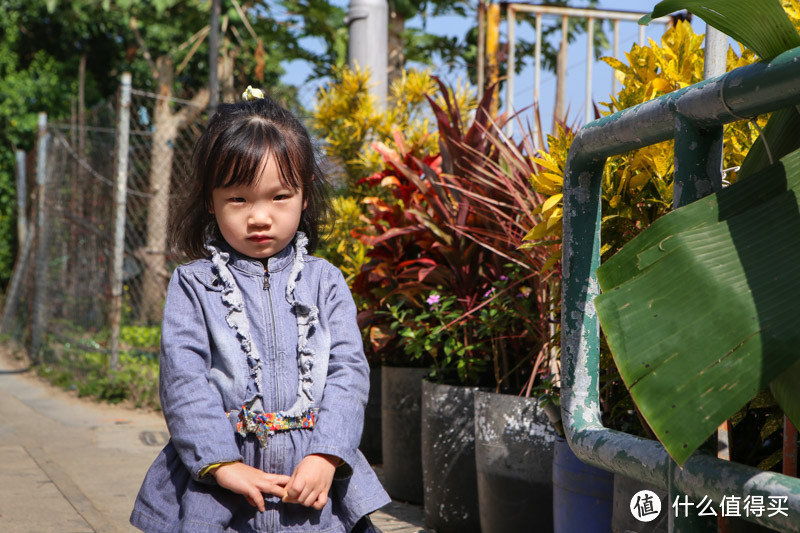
(206, 375)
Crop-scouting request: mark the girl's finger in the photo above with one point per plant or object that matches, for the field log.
(272, 488)
(258, 499)
(308, 497)
(294, 489)
(277, 479)
(321, 501)
(250, 501)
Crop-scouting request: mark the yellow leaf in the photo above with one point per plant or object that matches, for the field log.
(638, 181)
(551, 202)
(552, 260)
(555, 218)
(662, 85)
(547, 164)
(537, 232)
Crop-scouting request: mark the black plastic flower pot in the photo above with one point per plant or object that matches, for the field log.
(514, 459)
(370, 444)
(401, 400)
(448, 458)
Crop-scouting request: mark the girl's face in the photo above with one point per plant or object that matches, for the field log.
(258, 221)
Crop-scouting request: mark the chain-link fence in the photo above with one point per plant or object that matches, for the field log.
(61, 294)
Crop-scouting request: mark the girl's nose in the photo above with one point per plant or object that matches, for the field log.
(260, 216)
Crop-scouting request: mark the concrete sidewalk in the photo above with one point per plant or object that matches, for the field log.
(72, 465)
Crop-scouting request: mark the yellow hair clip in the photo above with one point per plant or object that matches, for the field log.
(251, 94)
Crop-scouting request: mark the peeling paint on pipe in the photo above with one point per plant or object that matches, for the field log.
(747, 91)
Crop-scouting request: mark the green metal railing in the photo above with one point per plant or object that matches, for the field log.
(697, 113)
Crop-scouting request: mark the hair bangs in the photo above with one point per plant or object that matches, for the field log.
(243, 152)
(291, 173)
(246, 152)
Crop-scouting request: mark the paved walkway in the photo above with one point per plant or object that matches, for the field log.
(68, 465)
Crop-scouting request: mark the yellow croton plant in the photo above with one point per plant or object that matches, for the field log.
(637, 186)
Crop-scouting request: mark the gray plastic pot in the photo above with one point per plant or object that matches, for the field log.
(401, 401)
(448, 458)
(514, 459)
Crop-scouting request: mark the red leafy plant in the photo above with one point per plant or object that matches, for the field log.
(447, 282)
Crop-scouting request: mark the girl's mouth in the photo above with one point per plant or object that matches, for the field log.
(259, 239)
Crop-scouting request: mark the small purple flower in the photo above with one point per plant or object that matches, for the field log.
(488, 293)
(503, 278)
(433, 299)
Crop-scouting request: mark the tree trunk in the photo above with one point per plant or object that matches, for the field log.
(226, 75)
(167, 125)
(397, 58)
(161, 154)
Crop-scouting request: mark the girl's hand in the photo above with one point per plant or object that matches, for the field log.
(311, 481)
(250, 482)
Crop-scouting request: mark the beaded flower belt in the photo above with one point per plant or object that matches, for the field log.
(262, 425)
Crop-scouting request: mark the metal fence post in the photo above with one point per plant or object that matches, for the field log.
(511, 20)
(22, 188)
(120, 195)
(40, 261)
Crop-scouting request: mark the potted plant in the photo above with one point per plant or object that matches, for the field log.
(465, 300)
(348, 117)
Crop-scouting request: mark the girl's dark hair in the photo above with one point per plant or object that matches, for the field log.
(231, 151)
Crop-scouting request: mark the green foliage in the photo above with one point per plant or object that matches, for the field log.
(319, 19)
(135, 380)
(761, 26)
(637, 186)
(722, 264)
(349, 118)
(340, 247)
(75, 361)
(453, 232)
(141, 337)
(428, 335)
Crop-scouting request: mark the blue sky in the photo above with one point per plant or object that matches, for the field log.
(523, 93)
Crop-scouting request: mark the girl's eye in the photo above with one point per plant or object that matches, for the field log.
(283, 197)
(237, 200)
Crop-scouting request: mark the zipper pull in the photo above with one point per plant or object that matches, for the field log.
(266, 280)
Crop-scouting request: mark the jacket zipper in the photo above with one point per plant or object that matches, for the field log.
(270, 518)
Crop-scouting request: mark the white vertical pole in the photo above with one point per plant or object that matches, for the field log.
(589, 64)
(716, 53)
(40, 260)
(120, 195)
(368, 23)
(481, 48)
(537, 72)
(641, 35)
(616, 55)
(22, 188)
(511, 20)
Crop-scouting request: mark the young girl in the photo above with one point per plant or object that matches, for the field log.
(263, 378)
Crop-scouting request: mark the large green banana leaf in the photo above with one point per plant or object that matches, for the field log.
(764, 27)
(760, 25)
(782, 135)
(700, 309)
(729, 202)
